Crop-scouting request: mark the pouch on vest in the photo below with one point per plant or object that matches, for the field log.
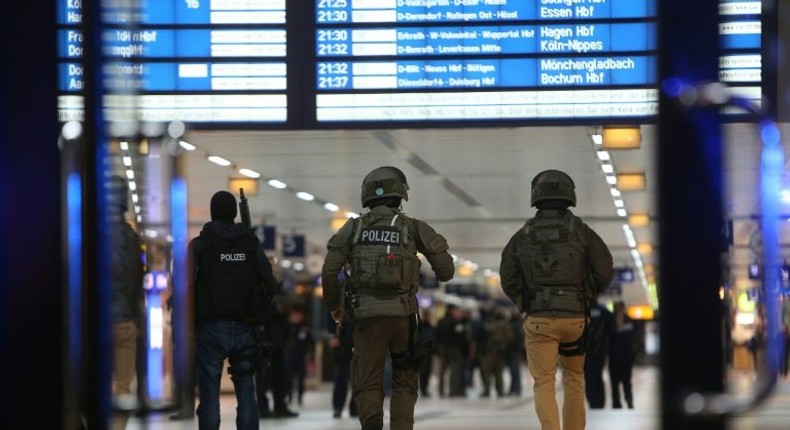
(393, 270)
(383, 256)
(389, 270)
(370, 307)
(552, 254)
(556, 299)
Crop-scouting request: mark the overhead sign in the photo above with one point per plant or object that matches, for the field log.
(293, 245)
(504, 60)
(624, 274)
(267, 235)
(199, 61)
(485, 60)
(371, 62)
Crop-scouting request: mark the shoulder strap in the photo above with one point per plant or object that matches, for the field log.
(526, 227)
(357, 229)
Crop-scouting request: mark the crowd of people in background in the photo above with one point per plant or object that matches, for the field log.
(476, 349)
(477, 354)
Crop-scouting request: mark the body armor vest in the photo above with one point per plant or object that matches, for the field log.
(385, 270)
(384, 256)
(226, 280)
(553, 259)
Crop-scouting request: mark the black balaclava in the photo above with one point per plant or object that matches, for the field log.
(553, 204)
(391, 202)
(223, 207)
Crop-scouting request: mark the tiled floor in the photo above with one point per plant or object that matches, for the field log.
(470, 413)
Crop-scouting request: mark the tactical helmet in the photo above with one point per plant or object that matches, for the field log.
(117, 194)
(553, 185)
(385, 181)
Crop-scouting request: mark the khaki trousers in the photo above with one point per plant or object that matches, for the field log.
(542, 336)
(374, 339)
(124, 354)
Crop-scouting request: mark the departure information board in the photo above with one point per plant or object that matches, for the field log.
(534, 60)
(740, 65)
(440, 60)
(378, 62)
(200, 61)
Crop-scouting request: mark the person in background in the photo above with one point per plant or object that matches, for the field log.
(515, 353)
(230, 277)
(784, 360)
(621, 357)
(274, 376)
(494, 352)
(474, 353)
(428, 334)
(341, 346)
(128, 301)
(300, 351)
(452, 339)
(550, 269)
(595, 360)
(381, 247)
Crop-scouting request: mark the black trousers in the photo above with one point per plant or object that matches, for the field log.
(593, 382)
(274, 379)
(620, 370)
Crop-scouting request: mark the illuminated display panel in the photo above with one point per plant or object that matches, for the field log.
(200, 61)
(379, 61)
(740, 65)
(510, 60)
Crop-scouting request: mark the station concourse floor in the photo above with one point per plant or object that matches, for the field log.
(508, 413)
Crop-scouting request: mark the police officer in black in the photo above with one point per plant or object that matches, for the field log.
(230, 277)
(595, 359)
(381, 249)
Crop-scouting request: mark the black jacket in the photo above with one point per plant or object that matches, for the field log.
(201, 246)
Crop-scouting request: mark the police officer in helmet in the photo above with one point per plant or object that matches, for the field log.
(551, 268)
(380, 249)
(230, 273)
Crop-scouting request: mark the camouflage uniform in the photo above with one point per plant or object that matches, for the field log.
(550, 287)
(386, 304)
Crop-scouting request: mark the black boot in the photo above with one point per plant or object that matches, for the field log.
(285, 413)
(374, 423)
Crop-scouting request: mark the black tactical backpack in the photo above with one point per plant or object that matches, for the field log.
(552, 255)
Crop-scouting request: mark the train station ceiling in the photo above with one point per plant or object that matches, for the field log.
(471, 185)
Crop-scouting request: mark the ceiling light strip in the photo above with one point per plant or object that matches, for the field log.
(607, 165)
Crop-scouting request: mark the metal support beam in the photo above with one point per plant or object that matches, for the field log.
(690, 206)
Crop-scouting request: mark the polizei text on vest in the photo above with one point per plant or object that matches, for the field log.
(233, 257)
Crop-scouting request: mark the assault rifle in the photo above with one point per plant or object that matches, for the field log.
(263, 346)
(348, 301)
(594, 331)
(244, 209)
